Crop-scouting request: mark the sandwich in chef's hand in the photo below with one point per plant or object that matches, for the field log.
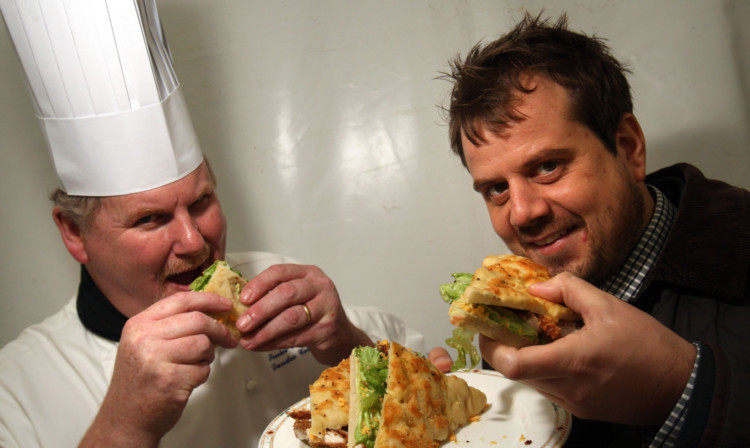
(391, 397)
(495, 301)
(220, 279)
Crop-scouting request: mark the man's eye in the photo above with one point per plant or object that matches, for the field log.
(547, 167)
(496, 190)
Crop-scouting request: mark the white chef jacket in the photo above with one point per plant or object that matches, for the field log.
(54, 376)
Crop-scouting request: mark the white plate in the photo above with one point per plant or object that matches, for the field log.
(518, 417)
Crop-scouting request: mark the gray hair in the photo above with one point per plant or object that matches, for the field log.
(82, 209)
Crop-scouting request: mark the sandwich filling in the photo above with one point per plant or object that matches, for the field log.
(370, 385)
(221, 279)
(495, 301)
(397, 399)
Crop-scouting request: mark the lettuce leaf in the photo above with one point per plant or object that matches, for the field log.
(452, 291)
(199, 283)
(373, 375)
(462, 339)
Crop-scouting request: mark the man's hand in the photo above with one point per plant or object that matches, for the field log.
(164, 353)
(277, 318)
(622, 366)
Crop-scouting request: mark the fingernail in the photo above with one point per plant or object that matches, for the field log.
(243, 323)
(245, 296)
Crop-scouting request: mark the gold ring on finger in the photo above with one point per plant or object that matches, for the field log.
(307, 311)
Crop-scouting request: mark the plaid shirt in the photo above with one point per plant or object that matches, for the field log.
(626, 285)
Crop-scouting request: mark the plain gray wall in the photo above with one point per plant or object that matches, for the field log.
(321, 121)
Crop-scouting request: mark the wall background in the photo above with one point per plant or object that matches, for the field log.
(321, 122)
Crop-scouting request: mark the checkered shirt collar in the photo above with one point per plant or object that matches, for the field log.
(628, 281)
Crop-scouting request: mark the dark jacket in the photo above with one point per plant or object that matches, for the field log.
(699, 287)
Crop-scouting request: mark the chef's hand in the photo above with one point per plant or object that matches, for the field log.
(164, 353)
(297, 306)
(622, 366)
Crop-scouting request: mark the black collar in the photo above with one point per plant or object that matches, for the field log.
(96, 312)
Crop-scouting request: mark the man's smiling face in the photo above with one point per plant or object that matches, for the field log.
(555, 193)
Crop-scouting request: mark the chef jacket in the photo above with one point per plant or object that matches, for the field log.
(54, 376)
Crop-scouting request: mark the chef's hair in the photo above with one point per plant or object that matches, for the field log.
(82, 209)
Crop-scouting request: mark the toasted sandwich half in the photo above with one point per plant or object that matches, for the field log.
(496, 302)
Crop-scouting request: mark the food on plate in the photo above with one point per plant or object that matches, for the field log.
(221, 279)
(399, 399)
(325, 423)
(396, 398)
(495, 301)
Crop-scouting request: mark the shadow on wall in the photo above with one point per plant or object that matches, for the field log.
(738, 15)
(710, 149)
(694, 145)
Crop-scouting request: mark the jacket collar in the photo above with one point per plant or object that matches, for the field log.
(96, 312)
(708, 249)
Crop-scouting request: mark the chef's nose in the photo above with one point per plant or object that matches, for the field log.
(188, 238)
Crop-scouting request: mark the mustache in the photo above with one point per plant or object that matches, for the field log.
(186, 263)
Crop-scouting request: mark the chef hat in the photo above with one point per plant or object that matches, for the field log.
(105, 92)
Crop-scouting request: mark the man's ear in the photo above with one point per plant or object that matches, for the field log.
(71, 235)
(631, 144)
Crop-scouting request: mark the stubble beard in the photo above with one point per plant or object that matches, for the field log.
(611, 246)
(609, 254)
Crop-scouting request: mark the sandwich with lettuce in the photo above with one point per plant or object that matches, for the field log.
(396, 398)
(496, 302)
(221, 279)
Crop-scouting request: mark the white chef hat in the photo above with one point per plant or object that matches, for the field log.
(105, 92)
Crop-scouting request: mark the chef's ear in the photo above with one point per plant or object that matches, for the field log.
(70, 232)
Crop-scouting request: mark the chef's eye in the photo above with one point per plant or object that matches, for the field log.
(201, 199)
(149, 220)
(201, 203)
(145, 220)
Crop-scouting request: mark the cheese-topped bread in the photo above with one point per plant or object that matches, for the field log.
(227, 283)
(329, 400)
(421, 406)
(503, 280)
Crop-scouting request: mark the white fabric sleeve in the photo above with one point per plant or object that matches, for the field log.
(379, 325)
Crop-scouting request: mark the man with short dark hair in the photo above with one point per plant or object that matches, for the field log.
(542, 119)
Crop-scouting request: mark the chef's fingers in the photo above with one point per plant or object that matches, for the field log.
(290, 328)
(183, 302)
(172, 320)
(268, 280)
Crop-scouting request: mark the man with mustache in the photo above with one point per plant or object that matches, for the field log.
(656, 264)
(134, 359)
(139, 252)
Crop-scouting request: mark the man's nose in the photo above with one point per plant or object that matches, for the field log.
(527, 206)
